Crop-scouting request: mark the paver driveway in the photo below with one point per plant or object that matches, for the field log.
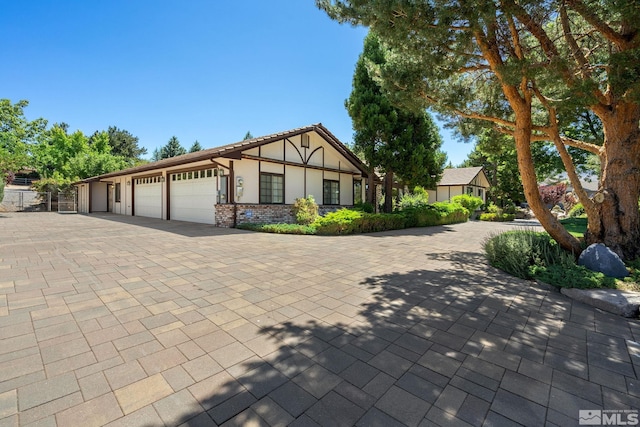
(107, 320)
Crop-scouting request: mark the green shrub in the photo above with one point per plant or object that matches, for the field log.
(497, 217)
(518, 252)
(416, 199)
(471, 203)
(491, 208)
(439, 213)
(509, 208)
(305, 210)
(364, 207)
(577, 210)
(279, 228)
(1, 189)
(349, 221)
(533, 255)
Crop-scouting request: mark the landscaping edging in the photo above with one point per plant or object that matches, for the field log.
(615, 301)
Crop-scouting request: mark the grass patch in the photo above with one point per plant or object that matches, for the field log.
(576, 226)
(535, 255)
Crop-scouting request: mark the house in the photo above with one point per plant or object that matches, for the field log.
(455, 181)
(256, 180)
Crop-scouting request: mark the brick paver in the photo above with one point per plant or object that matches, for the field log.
(109, 320)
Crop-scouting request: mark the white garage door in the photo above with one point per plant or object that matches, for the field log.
(193, 196)
(148, 197)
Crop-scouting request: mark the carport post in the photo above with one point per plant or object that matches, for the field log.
(49, 201)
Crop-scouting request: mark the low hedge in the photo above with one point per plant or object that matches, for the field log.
(347, 221)
(279, 228)
(439, 213)
(497, 217)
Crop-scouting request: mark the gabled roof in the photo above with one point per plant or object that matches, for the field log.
(460, 176)
(236, 148)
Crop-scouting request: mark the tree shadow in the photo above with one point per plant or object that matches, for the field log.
(182, 228)
(441, 341)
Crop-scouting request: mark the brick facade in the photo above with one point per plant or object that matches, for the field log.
(260, 214)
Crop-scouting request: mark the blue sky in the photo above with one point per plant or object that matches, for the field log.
(197, 69)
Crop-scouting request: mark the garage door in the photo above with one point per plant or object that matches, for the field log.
(148, 197)
(193, 196)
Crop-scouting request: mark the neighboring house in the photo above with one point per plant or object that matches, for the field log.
(590, 183)
(455, 181)
(256, 180)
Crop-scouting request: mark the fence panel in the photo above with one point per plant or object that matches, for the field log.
(25, 201)
(67, 203)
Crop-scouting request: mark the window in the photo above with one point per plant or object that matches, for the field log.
(271, 188)
(118, 191)
(357, 191)
(470, 191)
(331, 192)
(222, 193)
(480, 192)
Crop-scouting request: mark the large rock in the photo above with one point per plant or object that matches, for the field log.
(598, 257)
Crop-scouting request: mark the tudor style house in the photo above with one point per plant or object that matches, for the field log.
(455, 181)
(256, 180)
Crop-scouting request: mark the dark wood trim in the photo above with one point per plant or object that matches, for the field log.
(90, 197)
(219, 164)
(133, 197)
(313, 152)
(284, 158)
(167, 203)
(287, 163)
(235, 155)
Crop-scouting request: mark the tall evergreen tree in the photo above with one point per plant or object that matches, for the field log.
(394, 140)
(172, 149)
(195, 147)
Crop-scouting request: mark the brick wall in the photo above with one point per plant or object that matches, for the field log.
(260, 214)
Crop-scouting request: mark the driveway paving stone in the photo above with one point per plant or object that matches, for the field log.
(128, 321)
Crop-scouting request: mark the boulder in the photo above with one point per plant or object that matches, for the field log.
(598, 257)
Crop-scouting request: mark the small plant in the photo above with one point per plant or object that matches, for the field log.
(576, 211)
(471, 203)
(306, 210)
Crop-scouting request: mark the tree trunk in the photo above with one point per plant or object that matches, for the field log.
(618, 222)
(549, 222)
(371, 188)
(388, 192)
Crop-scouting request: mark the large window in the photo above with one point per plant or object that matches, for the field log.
(271, 188)
(118, 192)
(331, 192)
